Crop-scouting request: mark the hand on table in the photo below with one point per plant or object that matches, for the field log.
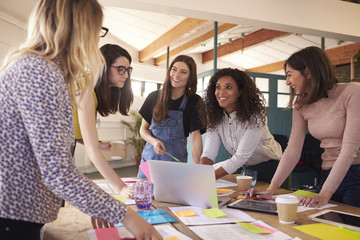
(140, 228)
(127, 191)
(317, 200)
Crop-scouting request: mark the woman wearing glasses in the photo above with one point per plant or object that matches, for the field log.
(112, 93)
(171, 114)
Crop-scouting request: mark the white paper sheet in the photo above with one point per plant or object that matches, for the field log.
(165, 231)
(235, 232)
(220, 183)
(302, 208)
(107, 187)
(232, 215)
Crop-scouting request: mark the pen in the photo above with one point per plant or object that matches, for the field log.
(172, 156)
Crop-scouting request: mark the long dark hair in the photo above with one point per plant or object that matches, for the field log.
(323, 76)
(250, 105)
(113, 99)
(162, 105)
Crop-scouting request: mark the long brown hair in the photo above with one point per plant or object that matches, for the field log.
(250, 105)
(323, 76)
(113, 99)
(162, 105)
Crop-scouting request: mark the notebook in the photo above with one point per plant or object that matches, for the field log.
(184, 183)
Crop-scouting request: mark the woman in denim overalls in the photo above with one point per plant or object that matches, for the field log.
(167, 133)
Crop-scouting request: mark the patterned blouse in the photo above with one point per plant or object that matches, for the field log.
(36, 136)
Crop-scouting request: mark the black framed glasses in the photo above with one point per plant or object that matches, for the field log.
(122, 69)
(103, 31)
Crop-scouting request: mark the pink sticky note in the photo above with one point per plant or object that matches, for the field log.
(128, 180)
(145, 169)
(107, 234)
(270, 229)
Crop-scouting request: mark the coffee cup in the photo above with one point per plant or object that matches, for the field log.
(243, 183)
(287, 208)
(117, 149)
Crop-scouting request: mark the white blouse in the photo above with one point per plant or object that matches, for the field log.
(247, 145)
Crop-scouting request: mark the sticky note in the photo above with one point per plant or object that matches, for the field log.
(264, 227)
(128, 180)
(107, 234)
(224, 190)
(350, 231)
(145, 169)
(304, 193)
(172, 238)
(120, 198)
(253, 228)
(214, 213)
(325, 231)
(187, 213)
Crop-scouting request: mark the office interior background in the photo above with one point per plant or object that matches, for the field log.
(255, 36)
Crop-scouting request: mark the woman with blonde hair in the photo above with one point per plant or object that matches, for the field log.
(36, 89)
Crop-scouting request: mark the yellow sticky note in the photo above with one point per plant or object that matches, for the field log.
(120, 198)
(214, 213)
(253, 228)
(350, 231)
(325, 231)
(224, 190)
(187, 213)
(304, 193)
(172, 238)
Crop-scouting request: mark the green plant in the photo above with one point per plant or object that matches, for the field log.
(134, 127)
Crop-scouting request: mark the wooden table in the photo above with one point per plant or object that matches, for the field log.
(72, 224)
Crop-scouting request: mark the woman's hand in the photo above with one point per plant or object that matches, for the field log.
(317, 200)
(159, 147)
(127, 191)
(140, 228)
(259, 194)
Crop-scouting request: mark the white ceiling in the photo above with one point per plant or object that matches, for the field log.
(138, 29)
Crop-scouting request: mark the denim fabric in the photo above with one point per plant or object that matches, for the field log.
(349, 190)
(171, 132)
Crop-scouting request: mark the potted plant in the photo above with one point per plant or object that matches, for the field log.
(136, 140)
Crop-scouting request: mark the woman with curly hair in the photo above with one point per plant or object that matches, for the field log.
(236, 116)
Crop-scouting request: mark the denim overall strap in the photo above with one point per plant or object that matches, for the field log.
(171, 132)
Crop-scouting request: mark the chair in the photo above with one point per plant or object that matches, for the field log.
(282, 140)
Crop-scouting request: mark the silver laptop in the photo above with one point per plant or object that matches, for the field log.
(184, 183)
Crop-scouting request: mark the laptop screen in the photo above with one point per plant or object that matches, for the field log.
(184, 183)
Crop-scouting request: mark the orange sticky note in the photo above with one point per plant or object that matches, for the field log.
(172, 238)
(107, 234)
(187, 213)
(224, 190)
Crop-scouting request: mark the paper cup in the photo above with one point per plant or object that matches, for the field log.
(117, 150)
(243, 183)
(287, 208)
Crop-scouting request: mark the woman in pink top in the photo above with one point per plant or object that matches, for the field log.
(331, 112)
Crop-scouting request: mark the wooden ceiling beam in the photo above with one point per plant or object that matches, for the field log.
(169, 37)
(338, 56)
(239, 44)
(210, 34)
